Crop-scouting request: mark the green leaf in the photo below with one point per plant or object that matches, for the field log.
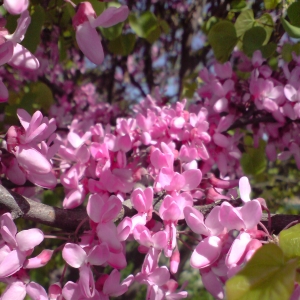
(253, 160)
(33, 33)
(266, 22)
(112, 32)
(164, 26)
(289, 241)
(222, 37)
(266, 276)
(238, 5)
(43, 96)
(268, 50)
(253, 39)
(291, 30)
(123, 45)
(189, 89)
(145, 26)
(286, 52)
(244, 22)
(209, 24)
(271, 4)
(11, 23)
(293, 13)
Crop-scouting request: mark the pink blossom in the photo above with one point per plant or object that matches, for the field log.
(85, 23)
(16, 246)
(15, 7)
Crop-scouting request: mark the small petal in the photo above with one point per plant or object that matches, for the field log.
(89, 43)
(245, 189)
(23, 59)
(74, 255)
(111, 16)
(15, 7)
(36, 292)
(206, 253)
(28, 239)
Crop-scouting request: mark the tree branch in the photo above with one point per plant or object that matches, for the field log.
(23, 207)
(66, 219)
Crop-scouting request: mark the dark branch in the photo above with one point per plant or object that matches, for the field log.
(23, 207)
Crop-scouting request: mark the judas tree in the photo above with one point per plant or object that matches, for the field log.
(141, 140)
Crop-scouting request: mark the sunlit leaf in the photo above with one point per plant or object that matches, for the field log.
(291, 30)
(266, 276)
(289, 241)
(244, 22)
(266, 22)
(145, 26)
(271, 4)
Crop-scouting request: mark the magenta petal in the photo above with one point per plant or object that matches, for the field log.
(71, 291)
(245, 189)
(47, 181)
(117, 260)
(7, 221)
(111, 16)
(36, 292)
(86, 281)
(24, 118)
(172, 213)
(8, 237)
(89, 43)
(32, 160)
(237, 249)
(159, 240)
(206, 253)
(98, 255)
(142, 235)
(124, 228)
(15, 7)
(28, 239)
(213, 284)
(290, 92)
(74, 255)
(251, 213)
(107, 233)
(111, 209)
(23, 59)
(74, 198)
(160, 276)
(6, 52)
(192, 179)
(138, 200)
(11, 263)
(124, 286)
(230, 217)
(38, 261)
(212, 221)
(112, 283)
(94, 207)
(195, 220)
(3, 92)
(16, 290)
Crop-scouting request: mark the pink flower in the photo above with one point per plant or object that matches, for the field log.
(15, 7)
(16, 246)
(85, 23)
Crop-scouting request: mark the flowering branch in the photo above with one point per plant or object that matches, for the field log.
(23, 207)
